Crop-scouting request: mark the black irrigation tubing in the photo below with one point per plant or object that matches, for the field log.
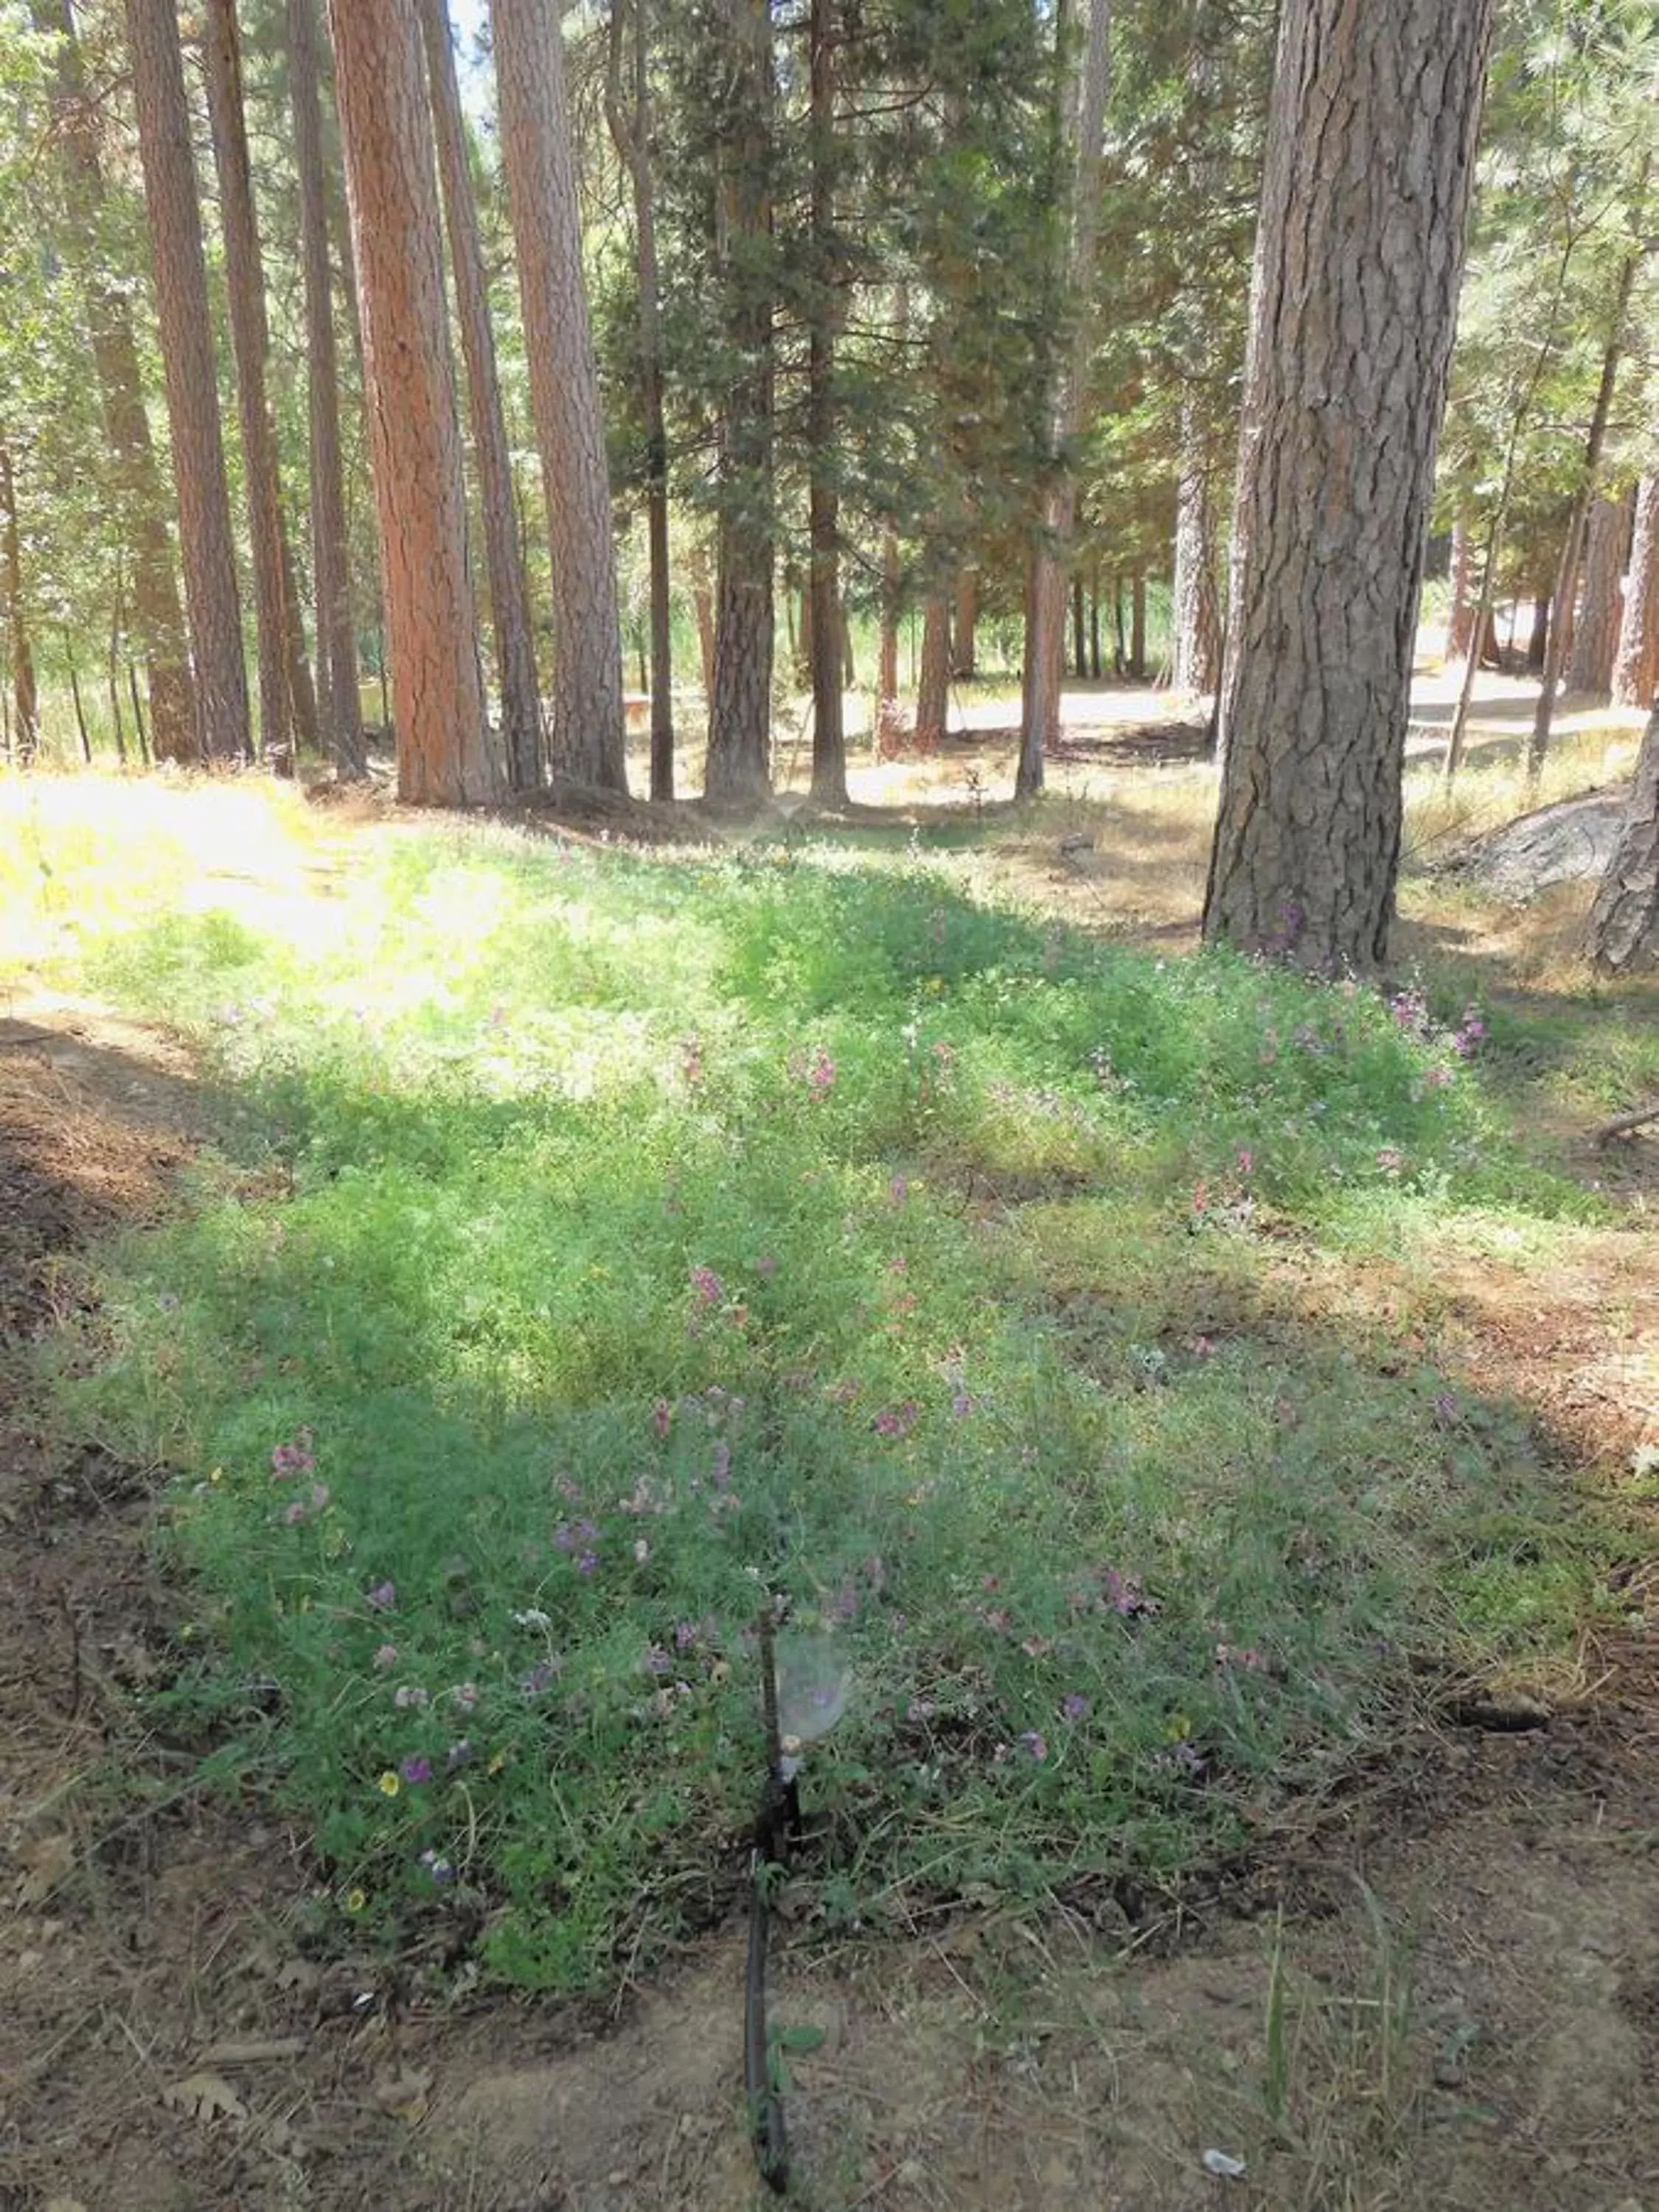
(775, 1824)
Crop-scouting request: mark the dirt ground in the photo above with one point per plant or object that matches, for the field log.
(1443, 1993)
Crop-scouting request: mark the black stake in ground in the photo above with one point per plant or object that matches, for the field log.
(778, 1821)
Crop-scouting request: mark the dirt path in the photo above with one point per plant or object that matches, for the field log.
(1457, 2009)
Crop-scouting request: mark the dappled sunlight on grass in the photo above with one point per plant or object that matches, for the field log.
(595, 1240)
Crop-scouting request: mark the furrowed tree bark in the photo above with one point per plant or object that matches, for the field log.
(1623, 924)
(738, 774)
(1460, 620)
(26, 724)
(444, 754)
(1359, 253)
(1196, 612)
(934, 673)
(509, 595)
(251, 343)
(964, 623)
(339, 708)
(631, 132)
(1566, 578)
(822, 500)
(198, 454)
(1051, 551)
(540, 160)
(1596, 633)
(157, 612)
(302, 693)
(1636, 667)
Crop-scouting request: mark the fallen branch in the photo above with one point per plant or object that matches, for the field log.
(1622, 1124)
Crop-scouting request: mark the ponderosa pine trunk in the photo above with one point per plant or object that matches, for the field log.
(964, 623)
(1595, 632)
(339, 705)
(823, 498)
(1636, 667)
(301, 692)
(934, 673)
(444, 753)
(250, 336)
(1460, 618)
(1573, 551)
(1359, 255)
(171, 199)
(1051, 550)
(509, 595)
(1195, 612)
(1624, 925)
(26, 728)
(157, 611)
(738, 774)
(1137, 627)
(538, 157)
(630, 128)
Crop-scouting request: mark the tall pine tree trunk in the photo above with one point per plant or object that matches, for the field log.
(1596, 633)
(158, 614)
(509, 595)
(540, 160)
(1195, 650)
(1353, 307)
(251, 342)
(934, 673)
(1460, 620)
(26, 726)
(339, 708)
(1051, 551)
(823, 522)
(740, 716)
(631, 130)
(1636, 667)
(1573, 551)
(198, 453)
(444, 757)
(1624, 925)
(964, 623)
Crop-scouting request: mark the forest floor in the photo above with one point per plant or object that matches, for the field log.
(1445, 1995)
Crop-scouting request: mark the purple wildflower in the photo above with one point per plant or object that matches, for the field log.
(821, 1075)
(438, 1867)
(898, 1189)
(295, 1458)
(409, 1696)
(1033, 1745)
(897, 1420)
(587, 1563)
(539, 1678)
(657, 1660)
(722, 1466)
(383, 1596)
(416, 1770)
(1074, 1705)
(1446, 1408)
(707, 1285)
(386, 1655)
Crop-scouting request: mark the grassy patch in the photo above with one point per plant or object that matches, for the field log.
(597, 1242)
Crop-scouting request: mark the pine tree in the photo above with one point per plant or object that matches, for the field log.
(1354, 308)
(444, 754)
